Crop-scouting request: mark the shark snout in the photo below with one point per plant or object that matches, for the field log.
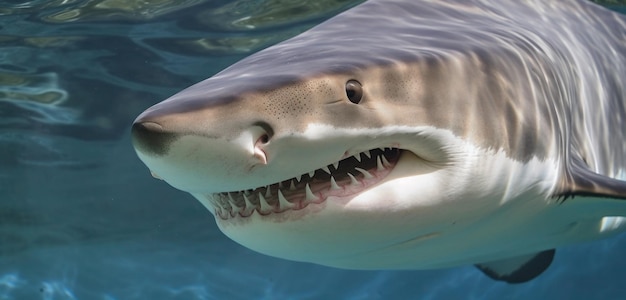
(192, 154)
(151, 138)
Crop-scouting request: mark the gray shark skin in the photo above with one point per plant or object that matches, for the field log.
(411, 135)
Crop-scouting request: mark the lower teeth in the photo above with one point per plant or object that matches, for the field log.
(265, 201)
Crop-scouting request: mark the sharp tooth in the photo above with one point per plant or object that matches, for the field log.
(385, 161)
(367, 153)
(382, 149)
(218, 198)
(379, 164)
(353, 180)
(333, 184)
(224, 203)
(249, 205)
(366, 174)
(234, 206)
(265, 207)
(223, 213)
(268, 192)
(358, 157)
(336, 165)
(309, 195)
(311, 174)
(283, 203)
(235, 210)
(280, 185)
(326, 169)
(292, 186)
(217, 210)
(299, 178)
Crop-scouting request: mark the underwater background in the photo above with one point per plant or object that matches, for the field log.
(80, 215)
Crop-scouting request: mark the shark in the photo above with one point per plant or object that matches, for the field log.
(411, 135)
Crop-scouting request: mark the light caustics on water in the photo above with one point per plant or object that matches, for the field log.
(80, 220)
(81, 69)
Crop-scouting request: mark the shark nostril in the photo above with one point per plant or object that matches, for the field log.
(263, 132)
(268, 131)
(259, 153)
(264, 139)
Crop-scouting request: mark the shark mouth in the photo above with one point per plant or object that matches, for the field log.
(344, 178)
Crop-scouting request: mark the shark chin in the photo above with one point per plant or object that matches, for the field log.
(317, 219)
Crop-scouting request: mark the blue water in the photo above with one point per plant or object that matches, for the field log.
(80, 217)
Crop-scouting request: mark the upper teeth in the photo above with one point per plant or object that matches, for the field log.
(333, 184)
(326, 169)
(267, 202)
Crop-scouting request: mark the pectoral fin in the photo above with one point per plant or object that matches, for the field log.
(518, 269)
(582, 181)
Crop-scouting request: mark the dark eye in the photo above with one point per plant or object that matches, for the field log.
(354, 91)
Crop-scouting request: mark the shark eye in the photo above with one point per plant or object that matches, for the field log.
(354, 91)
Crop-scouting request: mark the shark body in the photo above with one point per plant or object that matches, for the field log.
(411, 135)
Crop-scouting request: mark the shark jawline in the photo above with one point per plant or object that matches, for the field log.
(347, 177)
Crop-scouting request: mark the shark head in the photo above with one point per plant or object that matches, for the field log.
(334, 148)
(310, 168)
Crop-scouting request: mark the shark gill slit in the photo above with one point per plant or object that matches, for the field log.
(346, 177)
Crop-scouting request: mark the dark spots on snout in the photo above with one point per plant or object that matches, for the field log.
(150, 138)
(290, 102)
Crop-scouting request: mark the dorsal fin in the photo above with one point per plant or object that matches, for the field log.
(582, 181)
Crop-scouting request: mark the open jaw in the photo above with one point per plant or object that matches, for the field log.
(345, 178)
